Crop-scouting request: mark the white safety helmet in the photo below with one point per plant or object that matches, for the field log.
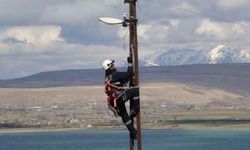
(107, 64)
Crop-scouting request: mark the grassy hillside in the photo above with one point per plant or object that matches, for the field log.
(232, 77)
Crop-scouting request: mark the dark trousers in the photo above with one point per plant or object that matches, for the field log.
(131, 95)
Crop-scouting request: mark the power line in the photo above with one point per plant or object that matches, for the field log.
(140, 11)
(161, 3)
(125, 39)
(166, 4)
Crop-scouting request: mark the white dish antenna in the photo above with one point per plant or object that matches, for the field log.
(110, 21)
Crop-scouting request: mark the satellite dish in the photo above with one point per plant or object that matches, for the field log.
(110, 21)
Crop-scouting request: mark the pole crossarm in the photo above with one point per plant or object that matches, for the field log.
(131, 20)
(130, 1)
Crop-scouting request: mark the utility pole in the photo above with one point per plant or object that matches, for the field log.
(133, 52)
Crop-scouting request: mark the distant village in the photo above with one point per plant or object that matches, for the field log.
(93, 114)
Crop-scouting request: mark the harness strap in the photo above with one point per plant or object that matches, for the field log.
(113, 92)
(116, 87)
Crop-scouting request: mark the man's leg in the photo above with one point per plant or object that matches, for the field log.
(133, 95)
(125, 118)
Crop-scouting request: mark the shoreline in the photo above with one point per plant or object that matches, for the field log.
(26, 130)
(179, 127)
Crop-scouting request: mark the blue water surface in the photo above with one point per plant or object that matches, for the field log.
(218, 139)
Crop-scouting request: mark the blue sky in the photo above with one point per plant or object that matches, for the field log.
(45, 35)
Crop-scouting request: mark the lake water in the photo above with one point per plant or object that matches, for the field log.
(218, 139)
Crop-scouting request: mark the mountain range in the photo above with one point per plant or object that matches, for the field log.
(215, 55)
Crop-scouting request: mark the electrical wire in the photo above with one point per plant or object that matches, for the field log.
(141, 19)
(125, 39)
(163, 3)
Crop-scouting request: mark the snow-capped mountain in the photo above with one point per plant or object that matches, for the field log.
(176, 57)
(218, 54)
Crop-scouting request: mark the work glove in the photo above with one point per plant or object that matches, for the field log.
(130, 60)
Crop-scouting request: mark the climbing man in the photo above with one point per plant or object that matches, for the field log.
(119, 89)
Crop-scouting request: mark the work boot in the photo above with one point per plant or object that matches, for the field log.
(132, 131)
(133, 134)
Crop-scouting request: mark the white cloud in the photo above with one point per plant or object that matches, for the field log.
(210, 28)
(30, 49)
(178, 9)
(78, 11)
(222, 31)
(175, 22)
(151, 32)
(238, 29)
(35, 35)
(112, 2)
(187, 6)
(57, 57)
(143, 31)
(233, 4)
(154, 31)
(73, 12)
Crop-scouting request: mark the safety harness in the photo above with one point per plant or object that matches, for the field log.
(113, 93)
(111, 90)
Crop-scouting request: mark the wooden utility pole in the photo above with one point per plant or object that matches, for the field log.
(133, 52)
